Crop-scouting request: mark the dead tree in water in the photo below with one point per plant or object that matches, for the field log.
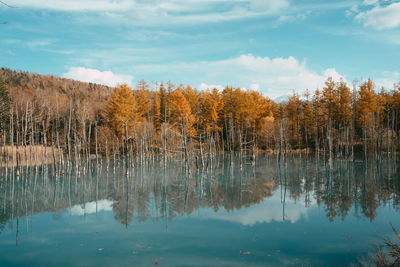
(185, 146)
(97, 152)
(281, 156)
(201, 152)
(329, 137)
(253, 145)
(240, 150)
(63, 125)
(365, 137)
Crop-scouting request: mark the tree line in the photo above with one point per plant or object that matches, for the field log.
(79, 120)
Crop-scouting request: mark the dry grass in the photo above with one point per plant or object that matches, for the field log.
(389, 254)
(29, 155)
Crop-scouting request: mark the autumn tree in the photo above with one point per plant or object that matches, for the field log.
(143, 104)
(344, 109)
(121, 109)
(156, 114)
(192, 97)
(318, 117)
(84, 116)
(366, 106)
(330, 104)
(5, 104)
(343, 116)
(396, 106)
(181, 115)
(307, 119)
(366, 103)
(211, 108)
(164, 95)
(294, 111)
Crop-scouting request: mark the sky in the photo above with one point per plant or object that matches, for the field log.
(272, 46)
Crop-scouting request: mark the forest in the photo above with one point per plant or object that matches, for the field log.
(47, 118)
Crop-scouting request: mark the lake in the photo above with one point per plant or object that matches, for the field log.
(294, 213)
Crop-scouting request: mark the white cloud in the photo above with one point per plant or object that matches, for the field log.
(255, 87)
(272, 5)
(292, 18)
(348, 13)
(381, 17)
(352, 11)
(387, 79)
(370, 2)
(162, 5)
(332, 73)
(272, 76)
(39, 43)
(156, 12)
(76, 5)
(96, 76)
(354, 8)
(91, 207)
(205, 86)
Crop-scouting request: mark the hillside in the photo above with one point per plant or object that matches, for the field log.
(22, 85)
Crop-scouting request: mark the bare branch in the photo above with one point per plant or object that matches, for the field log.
(7, 5)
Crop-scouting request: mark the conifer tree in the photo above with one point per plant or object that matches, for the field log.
(121, 109)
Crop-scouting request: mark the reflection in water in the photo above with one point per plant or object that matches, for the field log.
(250, 195)
(92, 207)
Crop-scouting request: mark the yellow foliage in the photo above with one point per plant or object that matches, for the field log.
(121, 109)
(212, 105)
(143, 104)
(181, 114)
(367, 102)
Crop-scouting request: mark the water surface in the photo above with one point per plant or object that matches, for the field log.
(296, 213)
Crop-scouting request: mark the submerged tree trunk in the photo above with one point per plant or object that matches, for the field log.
(365, 138)
(281, 140)
(330, 146)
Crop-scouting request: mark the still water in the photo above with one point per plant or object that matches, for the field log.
(298, 213)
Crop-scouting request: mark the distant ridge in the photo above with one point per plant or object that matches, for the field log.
(21, 82)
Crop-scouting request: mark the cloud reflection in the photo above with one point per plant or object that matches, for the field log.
(90, 207)
(271, 209)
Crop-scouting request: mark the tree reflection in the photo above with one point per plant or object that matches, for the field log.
(150, 190)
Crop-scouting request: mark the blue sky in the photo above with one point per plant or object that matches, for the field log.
(274, 46)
